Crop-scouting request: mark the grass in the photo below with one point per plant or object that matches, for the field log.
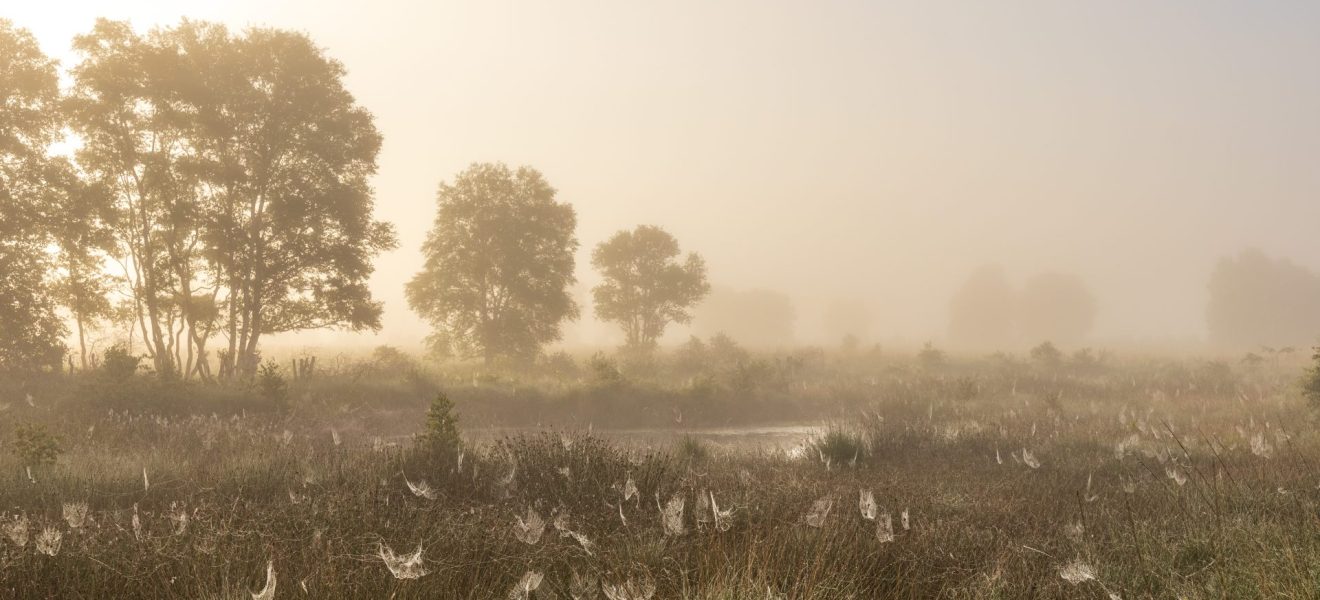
(1111, 447)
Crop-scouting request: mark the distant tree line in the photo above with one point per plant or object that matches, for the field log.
(1254, 302)
(1258, 301)
(988, 313)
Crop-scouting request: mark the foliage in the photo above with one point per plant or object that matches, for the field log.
(31, 330)
(260, 485)
(1256, 299)
(499, 260)
(841, 446)
(118, 365)
(692, 357)
(388, 360)
(604, 371)
(931, 357)
(724, 351)
(30, 183)
(187, 130)
(1311, 380)
(440, 436)
(1046, 355)
(560, 365)
(35, 446)
(692, 449)
(272, 386)
(645, 286)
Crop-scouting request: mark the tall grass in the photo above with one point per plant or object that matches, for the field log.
(1103, 513)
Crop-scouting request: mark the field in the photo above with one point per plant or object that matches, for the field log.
(991, 478)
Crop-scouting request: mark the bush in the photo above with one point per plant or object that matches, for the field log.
(605, 373)
(118, 365)
(931, 357)
(441, 436)
(271, 385)
(1047, 356)
(35, 446)
(1311, 381)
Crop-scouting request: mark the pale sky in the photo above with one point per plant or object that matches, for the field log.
(876, 151)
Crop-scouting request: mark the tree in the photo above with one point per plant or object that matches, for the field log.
(294, 236)
(1047, 355)
(646, 287)
(1257, 300)
(982, 313)
(1055, 306)
(30, 330)
(441, 434)
(1311, 380)
(82, 229)
(120, 106)
(499, 261)
(238, 167)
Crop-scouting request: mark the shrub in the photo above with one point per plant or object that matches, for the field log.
(35, 446)
(118, 365)
(931, 357)
(441, 435)
(271, 385)
(1046, 355)
(1311, 381)
(604, 371)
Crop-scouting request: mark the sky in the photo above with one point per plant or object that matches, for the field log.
(872, 152)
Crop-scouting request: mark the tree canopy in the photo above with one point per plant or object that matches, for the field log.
(238, 172)
(1258, 300)
(646, 286)
(499, 261)
(31, 331)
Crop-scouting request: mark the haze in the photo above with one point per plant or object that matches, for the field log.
(870, 153)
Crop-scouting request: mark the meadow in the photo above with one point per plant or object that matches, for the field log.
(1134, 477)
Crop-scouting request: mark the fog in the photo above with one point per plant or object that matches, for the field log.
(861, 159)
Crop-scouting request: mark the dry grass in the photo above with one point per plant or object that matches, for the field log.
(1242, 523)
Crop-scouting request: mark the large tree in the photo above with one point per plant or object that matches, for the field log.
(293, 237)
(133, 145)
(239, 168)
(30, 330)
(646, 286)
(499, 261)
(81, 226)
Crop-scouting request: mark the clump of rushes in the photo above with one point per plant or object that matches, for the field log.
(839, 447)
(692, 449)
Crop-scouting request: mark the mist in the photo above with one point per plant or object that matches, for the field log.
(876, 153)
(753, 300)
